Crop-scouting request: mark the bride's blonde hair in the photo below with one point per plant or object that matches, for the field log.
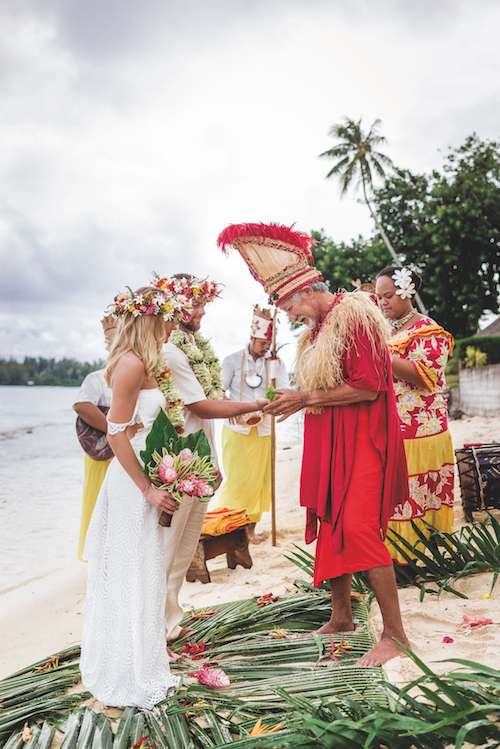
(144, 335)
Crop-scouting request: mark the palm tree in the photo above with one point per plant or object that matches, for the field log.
(358, 158)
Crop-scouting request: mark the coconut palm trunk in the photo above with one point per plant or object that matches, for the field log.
(420, 304)
(358, 155)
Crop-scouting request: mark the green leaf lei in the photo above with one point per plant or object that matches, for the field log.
(203, 361)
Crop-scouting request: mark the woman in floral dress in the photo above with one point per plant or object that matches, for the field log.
(419, 349)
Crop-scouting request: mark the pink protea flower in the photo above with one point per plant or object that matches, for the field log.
(211, 677)
(187, 487)
(203, 489)
(166, 471)
(186, 455)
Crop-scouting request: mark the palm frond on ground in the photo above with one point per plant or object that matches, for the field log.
(285, 690)
(448, 710)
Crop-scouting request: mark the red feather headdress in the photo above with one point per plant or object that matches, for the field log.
(278, 257)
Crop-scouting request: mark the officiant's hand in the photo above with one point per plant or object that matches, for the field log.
(162, 499)
(287, 403)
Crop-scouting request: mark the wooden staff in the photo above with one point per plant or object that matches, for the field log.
(273, 439)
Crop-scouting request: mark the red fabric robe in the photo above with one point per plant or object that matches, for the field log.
(329, 446)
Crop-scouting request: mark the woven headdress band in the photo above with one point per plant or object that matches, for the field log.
(280, 259)
(262, 324)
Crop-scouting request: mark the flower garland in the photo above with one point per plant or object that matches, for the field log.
(150, 304)
(203, 361)
(174, 407)
(194, 289)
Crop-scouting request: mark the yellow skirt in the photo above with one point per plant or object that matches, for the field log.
(247, 465)
(431, 475)
(95, 471)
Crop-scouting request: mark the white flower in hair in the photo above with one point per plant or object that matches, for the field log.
(402, 278)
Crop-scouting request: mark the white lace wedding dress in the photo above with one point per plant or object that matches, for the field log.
(124, 658)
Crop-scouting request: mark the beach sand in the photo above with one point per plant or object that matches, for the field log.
(45, 616)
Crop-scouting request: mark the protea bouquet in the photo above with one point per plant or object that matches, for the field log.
(181, 465)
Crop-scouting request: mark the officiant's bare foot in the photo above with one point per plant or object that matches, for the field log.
(252, 536)
(382, 652)
(336, 625)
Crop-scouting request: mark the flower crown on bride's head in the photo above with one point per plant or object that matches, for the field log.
(402, 277)
(152, 303)
(192, 288)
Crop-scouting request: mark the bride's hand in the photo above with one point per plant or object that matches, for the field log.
(261, 402)
(162, 499)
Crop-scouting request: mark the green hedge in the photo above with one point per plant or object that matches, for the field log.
(490, 344)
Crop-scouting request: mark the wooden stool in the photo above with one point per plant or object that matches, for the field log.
(234, 545)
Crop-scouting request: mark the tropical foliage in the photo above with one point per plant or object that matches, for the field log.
(357, 155)
(447, 225)
(489, 345)
(345, 264)
(441, 558)
(68, 372)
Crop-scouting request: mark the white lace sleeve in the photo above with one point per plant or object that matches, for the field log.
(115, 428)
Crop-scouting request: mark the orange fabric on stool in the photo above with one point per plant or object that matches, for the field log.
(362, 547)
(221, 521)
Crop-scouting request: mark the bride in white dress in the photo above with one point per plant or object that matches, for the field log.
(124, 658)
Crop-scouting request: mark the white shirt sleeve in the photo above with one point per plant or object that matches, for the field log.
(282, 380)
(188, 386)
(94, 390)
(228, 372)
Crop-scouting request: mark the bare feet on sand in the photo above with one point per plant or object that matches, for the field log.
(252, 536)
(336, 626)
(185, 632)
(382, 652)
(173, 657)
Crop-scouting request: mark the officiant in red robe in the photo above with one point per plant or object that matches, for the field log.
(354, 468)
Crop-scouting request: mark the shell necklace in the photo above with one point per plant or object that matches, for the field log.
(400, 321)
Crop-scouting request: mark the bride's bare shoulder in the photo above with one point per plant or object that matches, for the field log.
(128, 366)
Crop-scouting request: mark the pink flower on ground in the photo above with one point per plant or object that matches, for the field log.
(448, 639)
(186, 455)
(471, 623)
(166, 471)
(211, 677)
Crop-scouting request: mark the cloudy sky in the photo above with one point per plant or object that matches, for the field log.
(134, 131)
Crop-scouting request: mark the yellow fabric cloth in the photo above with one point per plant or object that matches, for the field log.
(221, 521)
(428, 453)
(95, 471)
(424, 456)
(247, 465)
(441, 519)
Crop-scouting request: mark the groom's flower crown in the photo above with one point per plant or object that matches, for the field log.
(193, 289)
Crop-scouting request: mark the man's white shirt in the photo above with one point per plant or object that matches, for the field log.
(231, 379)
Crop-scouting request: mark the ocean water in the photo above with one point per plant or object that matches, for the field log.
(41, 479)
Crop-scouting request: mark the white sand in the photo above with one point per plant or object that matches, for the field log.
(45, 616)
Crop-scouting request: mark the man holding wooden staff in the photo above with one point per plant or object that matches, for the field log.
(246, 440)
(354, 468)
